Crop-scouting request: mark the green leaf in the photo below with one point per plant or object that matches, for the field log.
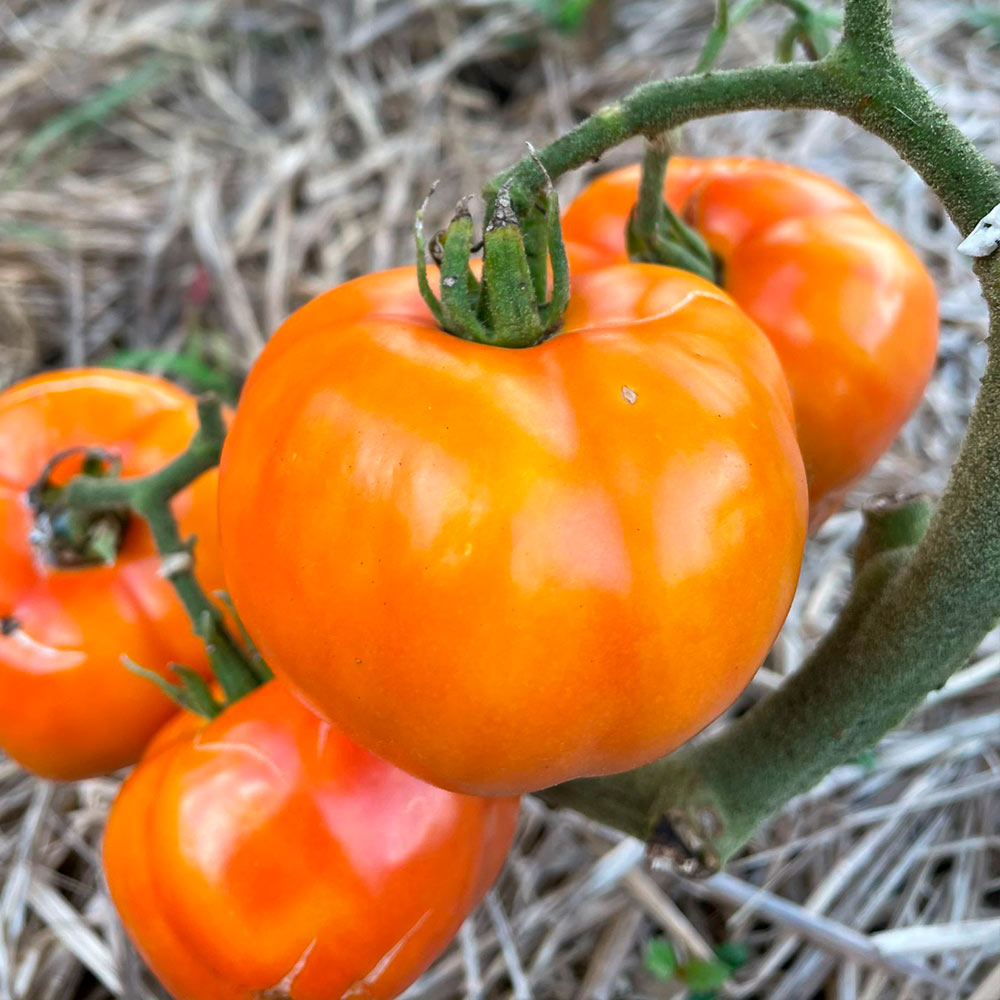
(732, 953)
(661, 959)
(79, 120)
(187, 367)
(563, 15)
(704, 975)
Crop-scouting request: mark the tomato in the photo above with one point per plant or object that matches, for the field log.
(498, 568)
(265, 855)
(849, 307)
(69, 708)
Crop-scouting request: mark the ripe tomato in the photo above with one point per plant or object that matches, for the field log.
(69, 708)
(265, 855)
(848, 306)
(499, 568)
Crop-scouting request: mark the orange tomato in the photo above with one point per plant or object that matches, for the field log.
(500, 569)
(69, 708)
(849, 307)
(264, 854)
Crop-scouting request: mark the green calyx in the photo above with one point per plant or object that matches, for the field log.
(511, 305)
(66, 537)
(654, 233)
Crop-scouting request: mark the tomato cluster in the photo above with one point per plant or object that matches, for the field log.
(475, 571)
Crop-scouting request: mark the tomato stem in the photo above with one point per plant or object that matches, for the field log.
(149, 497)
(654, 234)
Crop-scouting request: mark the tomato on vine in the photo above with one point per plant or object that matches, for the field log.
(79, 591)
(263, 854)
(850, 309)
(503, 568)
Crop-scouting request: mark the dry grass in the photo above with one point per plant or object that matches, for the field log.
(187, 172)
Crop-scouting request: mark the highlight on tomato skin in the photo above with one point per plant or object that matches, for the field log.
(849, 307)
(502, 569)
(265, 854)
(69, 708)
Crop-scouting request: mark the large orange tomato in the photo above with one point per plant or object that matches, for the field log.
(500, 569)
(850, 309)
(265, 855)
(69, 708)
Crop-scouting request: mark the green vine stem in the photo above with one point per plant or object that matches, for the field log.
(862, 79)
(917, 612)
(149, 497)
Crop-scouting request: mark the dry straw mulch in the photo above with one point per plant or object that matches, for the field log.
(182, 174)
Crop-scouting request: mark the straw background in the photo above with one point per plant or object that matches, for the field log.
(183, 174)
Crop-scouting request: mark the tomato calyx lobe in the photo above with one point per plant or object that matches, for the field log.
(672, 243)
(512, 304)
(66, 537)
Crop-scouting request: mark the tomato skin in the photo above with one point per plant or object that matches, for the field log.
(264, 854)
(69, 708)
(495, 567)
(850, 309)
